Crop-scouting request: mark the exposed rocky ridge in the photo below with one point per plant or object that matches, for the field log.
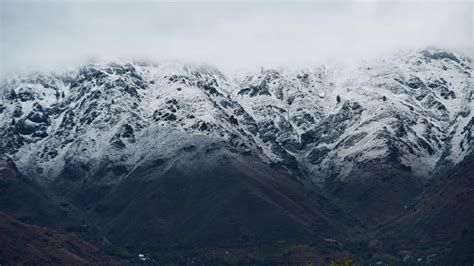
(412, 111)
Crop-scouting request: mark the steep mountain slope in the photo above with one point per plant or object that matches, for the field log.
(202, 196)
(25, 244)
(435, 229)
(154, 156)
(212, 196)
(411, 112)
(443, 217)
(29, 202)
(105, 109)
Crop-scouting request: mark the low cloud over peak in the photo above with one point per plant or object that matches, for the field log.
(229, 35)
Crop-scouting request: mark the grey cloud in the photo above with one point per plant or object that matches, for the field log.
(233, 35)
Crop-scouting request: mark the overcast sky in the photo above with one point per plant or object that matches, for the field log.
(229, 35)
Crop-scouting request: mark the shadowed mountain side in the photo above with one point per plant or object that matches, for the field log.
(24, 244)
(376, 196)
(443, 219)
(28, 202)
(214, 197)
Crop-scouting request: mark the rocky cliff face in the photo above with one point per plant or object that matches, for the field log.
(411, 112)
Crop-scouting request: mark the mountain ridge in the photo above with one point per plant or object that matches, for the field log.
(285, 118)
(174, 161)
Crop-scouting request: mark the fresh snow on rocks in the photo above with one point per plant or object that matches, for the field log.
(413, 111)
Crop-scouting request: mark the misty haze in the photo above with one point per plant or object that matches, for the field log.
(236, 133)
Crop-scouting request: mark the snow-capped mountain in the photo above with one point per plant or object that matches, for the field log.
(413, 111)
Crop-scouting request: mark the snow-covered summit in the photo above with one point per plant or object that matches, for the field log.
(413, 111)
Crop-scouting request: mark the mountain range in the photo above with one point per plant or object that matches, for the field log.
(367, 162)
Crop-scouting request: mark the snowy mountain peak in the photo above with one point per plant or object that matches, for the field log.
(413, 111)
